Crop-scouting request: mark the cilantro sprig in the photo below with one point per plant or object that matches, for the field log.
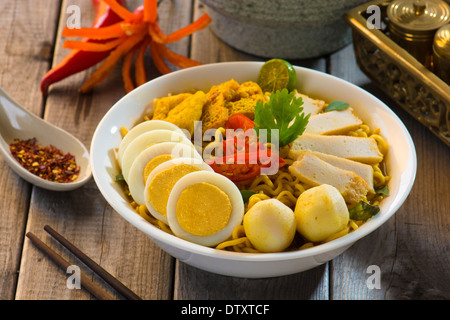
(246, 194)
(283, 112)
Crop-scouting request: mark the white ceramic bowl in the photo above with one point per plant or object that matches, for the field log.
(401, 163)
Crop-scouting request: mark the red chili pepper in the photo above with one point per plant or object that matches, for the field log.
(77, 60)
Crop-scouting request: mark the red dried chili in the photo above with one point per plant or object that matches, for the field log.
(49, 163)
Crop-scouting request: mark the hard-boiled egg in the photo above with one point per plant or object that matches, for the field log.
(140, 129)
(204, 207)
(150, 158)
(320, 212)
(270, 225)
(143, 141)
(161, 180)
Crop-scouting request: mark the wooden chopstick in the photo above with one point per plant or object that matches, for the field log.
(87, 283)
(105, 275)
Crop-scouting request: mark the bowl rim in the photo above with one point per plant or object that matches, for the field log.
(159, 236)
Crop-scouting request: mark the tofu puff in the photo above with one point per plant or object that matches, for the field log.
(182, 109)
(229, 98)
(212, 108)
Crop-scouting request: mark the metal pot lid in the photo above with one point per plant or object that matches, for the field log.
(418, 16)
(442, 41)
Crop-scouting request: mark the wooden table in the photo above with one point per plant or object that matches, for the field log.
(412, 249)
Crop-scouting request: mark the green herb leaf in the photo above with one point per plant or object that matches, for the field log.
(337, 106)
(120, 177)
(363, 211)
(384, 190)
(282, 112)
(246, 194)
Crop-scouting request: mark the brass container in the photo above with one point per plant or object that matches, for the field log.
(416, 89)
(413, 23)
(441, 53)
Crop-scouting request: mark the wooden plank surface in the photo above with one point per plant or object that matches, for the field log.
(411, 249)
(83, 216)
(26, 40)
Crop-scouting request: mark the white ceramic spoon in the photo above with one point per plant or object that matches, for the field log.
(18, 123)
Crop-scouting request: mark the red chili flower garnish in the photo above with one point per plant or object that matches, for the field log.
(126, 39)
(78, 60)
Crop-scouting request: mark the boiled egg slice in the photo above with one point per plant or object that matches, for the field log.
(161, 180)
(140, 129)
(149, 159)
(204, 207)
(143, 141)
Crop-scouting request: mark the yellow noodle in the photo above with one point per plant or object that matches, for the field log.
(379, 178)
(262, 179)
(238, 232)
(123, 131)
(289, 161)
(362, 134)
(230, 243)
(338, 234)
(288, 195)
(246, 246)
(353, 225)
(164, 227)
(300, 187)
(134, 204)
(216, 143)
(382, 144)
(256, 198)
(267, 189)
(235, 249)
(142, 210)
(365, 128)
(210, 147)
(307, 245)
(284, 175)
(288, 187)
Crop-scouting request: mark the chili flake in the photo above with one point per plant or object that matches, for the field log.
(48, 163)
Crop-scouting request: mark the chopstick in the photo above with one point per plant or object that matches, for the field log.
(105, 275)
(87, 283)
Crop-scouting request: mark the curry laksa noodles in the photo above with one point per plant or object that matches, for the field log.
(239, 169)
